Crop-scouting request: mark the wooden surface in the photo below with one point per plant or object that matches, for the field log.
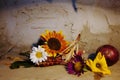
(52, 73)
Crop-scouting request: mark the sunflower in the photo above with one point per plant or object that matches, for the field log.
(99, 64)
(55, 42)
(38, 55)
(75, 65)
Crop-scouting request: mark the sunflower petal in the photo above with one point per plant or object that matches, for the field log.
(51, 49)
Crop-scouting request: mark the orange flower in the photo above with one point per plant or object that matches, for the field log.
(55, 42)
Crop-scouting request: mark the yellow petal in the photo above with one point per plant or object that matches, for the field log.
(99, 56)
(89, 62)
(47, 31)
(59, 37)
(106, 71)
(102, 61)
(104, 66)
(54, 54)
(50, 54)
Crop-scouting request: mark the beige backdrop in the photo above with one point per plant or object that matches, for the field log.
(22, 22)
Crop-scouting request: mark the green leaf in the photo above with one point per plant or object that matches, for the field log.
(18, 64)
(26, 54)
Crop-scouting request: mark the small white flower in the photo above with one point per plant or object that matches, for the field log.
(38, 55)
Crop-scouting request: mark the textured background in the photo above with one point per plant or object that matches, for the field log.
(22, 22)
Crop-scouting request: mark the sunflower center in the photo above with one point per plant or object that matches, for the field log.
(54, 44)
(77, 66)
(38, 54)
(98, 65)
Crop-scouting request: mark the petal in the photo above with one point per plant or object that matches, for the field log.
(50, 54)
(106, 71)
(99, 56)
(89, 62)
(34, 60)
(45, 57)
(46, 54)
(40, 60)
(32, 56)
(37, 62)
(98, 70)
(39, 47)
(33, 52)
(34, 49)
(103, 61)
(105, 68)
(92, 65)
(54, 54)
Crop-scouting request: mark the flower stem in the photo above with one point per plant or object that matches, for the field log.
(98, 76)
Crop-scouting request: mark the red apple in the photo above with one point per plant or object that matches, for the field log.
(111, 54)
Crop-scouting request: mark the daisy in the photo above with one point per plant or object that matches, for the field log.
(99, 64)
(38, 55)
(55, 43)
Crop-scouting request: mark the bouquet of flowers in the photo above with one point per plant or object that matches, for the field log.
(52, 49)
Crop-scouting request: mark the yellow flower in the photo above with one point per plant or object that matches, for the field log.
(55, 42)
(99, 64)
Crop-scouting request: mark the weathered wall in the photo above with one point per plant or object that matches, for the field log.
(22, 21)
